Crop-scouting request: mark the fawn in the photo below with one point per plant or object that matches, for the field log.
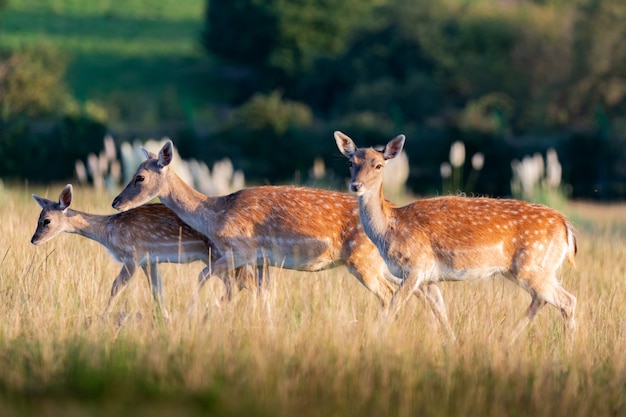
(145, 236)
(461, 238)
(291, 227)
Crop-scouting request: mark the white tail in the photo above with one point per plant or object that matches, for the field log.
(460, 238)
(143, 237)
(290, 227)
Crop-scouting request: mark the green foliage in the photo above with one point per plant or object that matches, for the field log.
(312, 28)
(241, 31)
(488, 114)
(45, 151)
(507, 78)
(127, 62)
(32, 82)
(265, 137)
(136, 49)
(282, 35)
(42, 128)
(273, 113)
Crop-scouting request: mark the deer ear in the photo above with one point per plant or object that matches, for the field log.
(166, 154)
(43, 202)
(345, 144)
(65, 198)
(394, 147)
(148, 154)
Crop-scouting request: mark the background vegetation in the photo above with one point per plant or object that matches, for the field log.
(255, 81)
(313, 349)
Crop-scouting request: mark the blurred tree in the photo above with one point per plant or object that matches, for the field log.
(31, 82)
(241, 31)
(265, 138)
(383, 70)
(280, 38)
(482, 71)
(46, 150)
(599, 65)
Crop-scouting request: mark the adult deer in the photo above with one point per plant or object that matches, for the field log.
(291, 227)
(461, 238)
(145, 236)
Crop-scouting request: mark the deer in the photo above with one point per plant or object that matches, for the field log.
(291, 227)
(142, 237)
(455, 238)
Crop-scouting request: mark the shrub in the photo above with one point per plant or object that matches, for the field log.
(264, 138)
(31, 82)
(44, 151)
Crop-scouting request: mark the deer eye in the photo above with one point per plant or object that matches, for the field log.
(378, 167)
(46, 222)
(139, 178)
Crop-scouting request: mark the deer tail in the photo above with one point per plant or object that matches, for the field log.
(572, 247)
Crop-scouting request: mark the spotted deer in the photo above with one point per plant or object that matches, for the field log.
(145, 236)
(290, 227)
(461, 238)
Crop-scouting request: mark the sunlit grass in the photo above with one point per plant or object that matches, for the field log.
(314, 347)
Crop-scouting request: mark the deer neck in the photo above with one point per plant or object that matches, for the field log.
(374, 211)
(91, 226)
(194, 208)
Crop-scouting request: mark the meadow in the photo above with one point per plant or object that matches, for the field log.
(130, 57)
(313, 346)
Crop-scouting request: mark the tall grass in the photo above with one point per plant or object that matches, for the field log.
(313, 348)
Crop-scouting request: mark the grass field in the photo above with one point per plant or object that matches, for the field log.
(314, 349)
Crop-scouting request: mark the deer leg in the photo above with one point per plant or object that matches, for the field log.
(565, 302)
(535, 304)
(156, 284)
(154, 280)
(127, 271)
(262, 278)
(262, 273)
(433, 296)
(551, 292)
(407, 288)
(373, 280)
(221, 268)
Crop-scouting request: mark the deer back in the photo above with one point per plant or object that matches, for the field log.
(464, 234)
(322, 223)
(155, 232)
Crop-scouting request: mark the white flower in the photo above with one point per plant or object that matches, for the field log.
(446, 170)
(457, 154)
(553, 169)
(478, 160)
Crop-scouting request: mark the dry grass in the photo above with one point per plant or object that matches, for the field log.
(313, 348)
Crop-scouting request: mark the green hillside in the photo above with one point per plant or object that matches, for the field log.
(133, 51)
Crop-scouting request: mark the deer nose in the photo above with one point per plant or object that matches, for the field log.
(116, 202)
(355, 187)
